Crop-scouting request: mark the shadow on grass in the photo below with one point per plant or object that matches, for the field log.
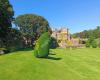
(53, 58)
(26, 49)
(52, 54)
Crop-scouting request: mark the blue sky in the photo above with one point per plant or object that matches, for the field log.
(77, 15)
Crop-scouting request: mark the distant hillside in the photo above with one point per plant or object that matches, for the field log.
(87, 33)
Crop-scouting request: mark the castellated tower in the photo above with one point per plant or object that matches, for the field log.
(62, 36)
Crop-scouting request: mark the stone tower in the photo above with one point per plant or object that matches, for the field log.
(62, 36)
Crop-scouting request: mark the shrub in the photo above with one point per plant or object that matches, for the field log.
(3, 51)
(91, 42)
(42, 46)
(94, 44)
(88, 44)
(53, 43)
(99, 44)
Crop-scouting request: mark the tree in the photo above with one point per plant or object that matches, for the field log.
(31, 26)
(6, 17)
(97, 32)
(42, 46)
(88, 33)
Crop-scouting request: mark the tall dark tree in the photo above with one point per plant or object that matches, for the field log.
(31, 26)
(6, 17)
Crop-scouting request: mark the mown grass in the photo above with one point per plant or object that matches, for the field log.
(62, 64)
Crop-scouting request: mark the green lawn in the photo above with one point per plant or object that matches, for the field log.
(62, 64)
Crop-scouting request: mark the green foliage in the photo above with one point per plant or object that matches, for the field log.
(94, 44)
(3, 51)
(88, 33)
(53, 43)
(88, 44)
(91, 42)
(42, 46)
(99, 44)
(6, 17)
(14, 40)
(31, 26)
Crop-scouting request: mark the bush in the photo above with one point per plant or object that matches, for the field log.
(3, 51)
(53, 43)
(88, 44)
(42, 46)
(94, 44)
(99, 44)
(91, 42)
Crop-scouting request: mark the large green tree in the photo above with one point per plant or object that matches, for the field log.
(31, 26)
(6, 17)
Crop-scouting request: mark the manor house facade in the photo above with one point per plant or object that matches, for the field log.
(64, 38)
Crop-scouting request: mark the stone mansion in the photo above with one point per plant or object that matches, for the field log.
(64, 38)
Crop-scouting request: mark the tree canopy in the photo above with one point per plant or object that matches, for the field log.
(6, 17)
(88, 33)
(29, 24)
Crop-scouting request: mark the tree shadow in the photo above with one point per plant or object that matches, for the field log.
(25, 49)
(52, 54)
(53, 58)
